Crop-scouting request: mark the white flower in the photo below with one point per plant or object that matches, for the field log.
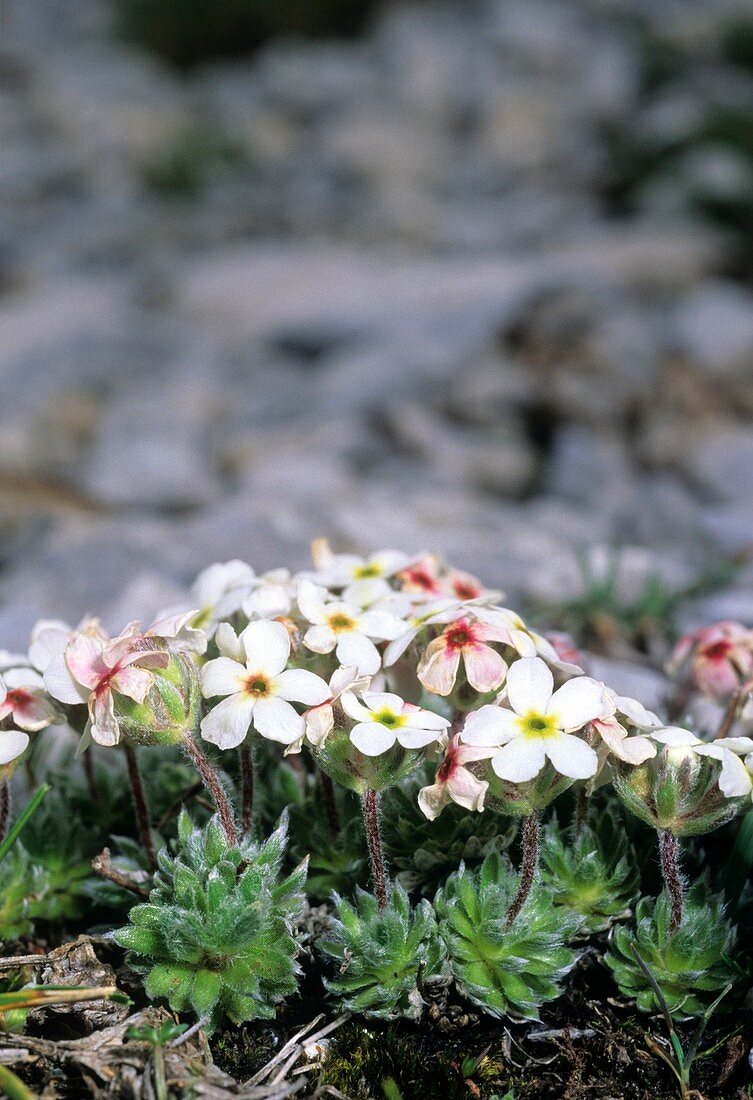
(734, 778)
(354, 573)
(383, 718)
(345, 628)
(260, 691)
(633, 749)
(220, 589)
(540, 724)
(321, 719)
(49, 637)
(427, 614)
(270, 595)
(455, 782)
(26, 702)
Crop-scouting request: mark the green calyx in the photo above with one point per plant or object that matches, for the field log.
(171, 709)
(505, 971)
(676, 792)
(522, 799)
(423, 853)
(691, 966)
(339, 758)
(592, 872)
(216, 936)
(383, 958)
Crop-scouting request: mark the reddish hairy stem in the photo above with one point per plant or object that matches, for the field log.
(370, 804)
(140, 803)
(670, 869)
(528, 866)
(246, 755)
(330, 805)
(4, 807)
(730, 713)
(212, 783)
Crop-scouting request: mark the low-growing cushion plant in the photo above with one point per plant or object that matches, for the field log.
(216, 936)
(383, 956)
(691, 965)
(505, 969)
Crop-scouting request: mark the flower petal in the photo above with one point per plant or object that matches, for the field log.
(12, 744)
(277, 720)
(578, 701)
(356, 649)
(466, 789)
(529, 685)
(60, 683)
(438, 668)
(226, 725)
(571, 756)
(267, 646)
(489, 726)
(484, 668)
(320, 639)
(354, 708)
(222, 677)
(433, 799)
(301, 686)
(520, 759)
(411, 737)
(372, 738)
(735, 779)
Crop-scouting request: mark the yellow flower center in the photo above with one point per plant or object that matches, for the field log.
(364, 572)
(538, 725)
(340, 622)
(389, 719)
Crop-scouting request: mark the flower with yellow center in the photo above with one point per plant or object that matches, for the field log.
(540, 724)
(383, 718)
(345, 628)
(259, 691)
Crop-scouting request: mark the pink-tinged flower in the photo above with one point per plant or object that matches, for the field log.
(613, 730)
(540, 725)
(467, 639)
(464, 586)
(425, 615)
(383, 718)
(564, 646)
(178, 633)
(320, 719)
(525, 641)
(345, 628)
(26, 701)
(454, 781)
(49, 637)
(422, 578)
(259, 690)
(718, 659)
(92, 668)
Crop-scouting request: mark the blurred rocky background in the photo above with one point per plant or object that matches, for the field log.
(466, 276)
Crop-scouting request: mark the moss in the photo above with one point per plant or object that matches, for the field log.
(362, 1061)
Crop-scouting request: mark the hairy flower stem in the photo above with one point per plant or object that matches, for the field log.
(370, 804)
(528, 866)
(246, 754)
(670, 869)
(212, 783)
(87, 761)
(140, 804)
(582, 802)
(330, 805)
(730, 713)
(4, 807)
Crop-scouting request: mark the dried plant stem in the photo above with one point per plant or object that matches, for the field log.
(103, 867)
(246, 755)
(370, 803)
(4, 807)
(528, 866)
(213, 784)
(140, 803)
(670, 869)
(330, 805)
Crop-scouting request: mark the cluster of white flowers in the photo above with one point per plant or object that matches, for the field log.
(398, 651)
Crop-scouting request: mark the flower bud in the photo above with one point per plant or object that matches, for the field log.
(677, 790)
(170, 710)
